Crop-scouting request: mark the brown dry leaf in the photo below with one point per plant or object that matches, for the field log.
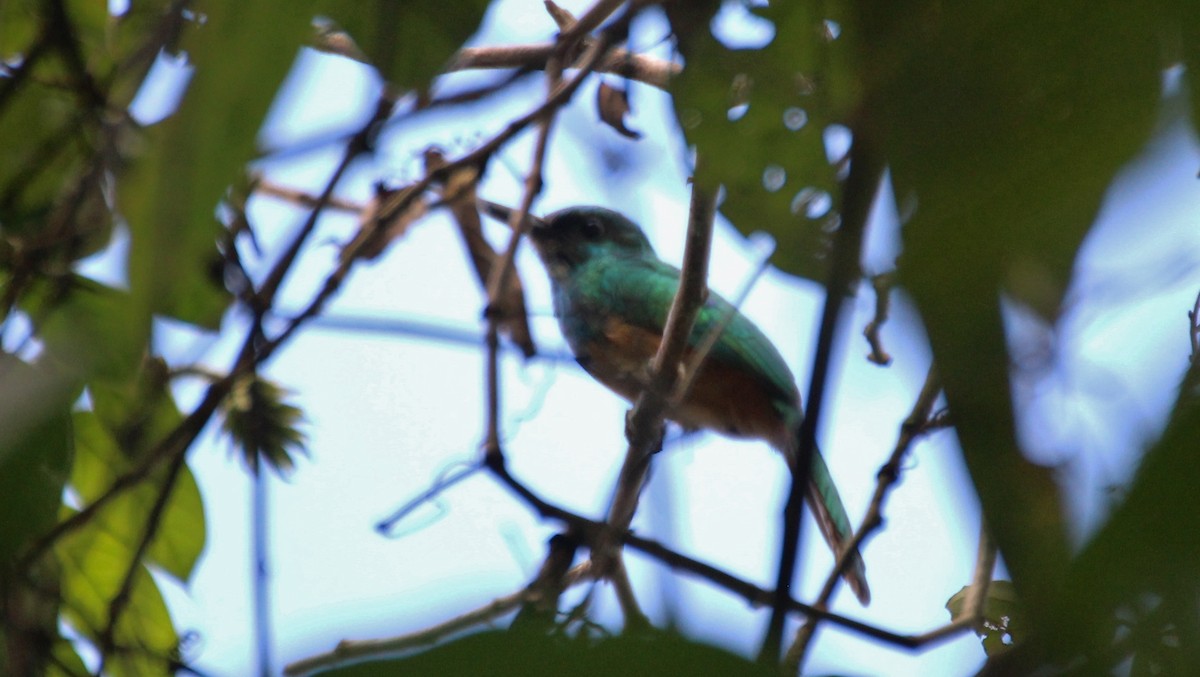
(459, 194)
(613, 105)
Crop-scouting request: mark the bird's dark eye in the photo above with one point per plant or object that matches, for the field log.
(592, 228)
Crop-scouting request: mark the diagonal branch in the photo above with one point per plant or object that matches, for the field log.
(116, 606)
(914, 425)
(500, 274)
(645, 418)
(705, 346)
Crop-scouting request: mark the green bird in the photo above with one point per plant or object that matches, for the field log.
(611, 297)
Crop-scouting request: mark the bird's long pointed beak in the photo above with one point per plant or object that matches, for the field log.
(504, 214)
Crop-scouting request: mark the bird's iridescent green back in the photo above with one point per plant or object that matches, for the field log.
(641, 290)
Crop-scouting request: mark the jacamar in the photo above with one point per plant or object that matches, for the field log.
(611, 296)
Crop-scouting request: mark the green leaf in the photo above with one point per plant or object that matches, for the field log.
(757, 118)
(1002, 624)
(1004, 125)
(56, 152)
(94, 563)
(18, 27)
(1007, 126)
(409, 41)
(35, 452)
(89, 329)
(67, 662)
(240, 52)
(138, 412)
(44, 152)
(35, 461)
(1148, 548)
(180, 537)
(1185, 18)
(90, 25)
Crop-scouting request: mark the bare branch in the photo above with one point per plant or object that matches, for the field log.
(645, 418)
(866, 169)
(639, 67)
(589, 531)
(914, 425)
(362, 142)
(985, 564)
(635, 618)
(705, 346)
(444, 482)
(498, 279)
(503, 270)
(348, 651)
(266, 186)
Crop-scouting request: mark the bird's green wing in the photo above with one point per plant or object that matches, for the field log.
(641, 292)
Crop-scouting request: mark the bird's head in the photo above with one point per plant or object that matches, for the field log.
(570, 237)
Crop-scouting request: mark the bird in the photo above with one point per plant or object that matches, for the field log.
(611, 296)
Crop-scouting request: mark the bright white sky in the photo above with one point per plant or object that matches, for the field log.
(387, 414)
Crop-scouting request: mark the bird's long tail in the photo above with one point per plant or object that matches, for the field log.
(830, 513)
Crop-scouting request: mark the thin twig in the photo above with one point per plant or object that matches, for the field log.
(645, 418)
(385, 525)
(175, 445)
(705, 346)
(540, 609)
(866, 168)
(589, 20)
(350, 651)
(631, 610)
(480, 155)
(360, 143)
(914, 425)
(560, 93)
(588, 531)
(266, 186)
(561, 16)
(650, 70)
(107, 639)
(981, 579)
(638, 67)
(882, 284)
(503, 270)
(1194, 330)
(403, 198)
(459, 193)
